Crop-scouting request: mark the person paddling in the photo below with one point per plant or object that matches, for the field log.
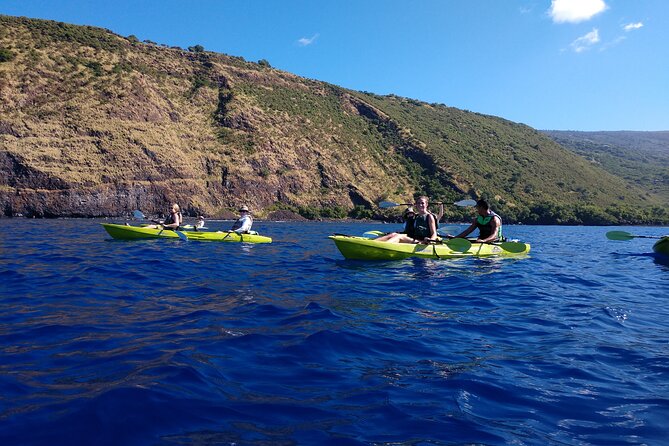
(408, 218)
(424, 226)
(244, 222)
(199, 224)
(173, 220)
(488, 223)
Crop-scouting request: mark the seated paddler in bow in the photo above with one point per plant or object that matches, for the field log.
(173, 220)
(424, 226)
(244, 222)
(488, 223)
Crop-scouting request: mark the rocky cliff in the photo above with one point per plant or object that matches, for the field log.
(96, 124)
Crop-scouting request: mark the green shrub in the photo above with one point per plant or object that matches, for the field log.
(334, 212)
(361, 212)
(309, 212)
(6, 55)
(95, 67)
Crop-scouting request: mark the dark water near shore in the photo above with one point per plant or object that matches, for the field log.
(167, 342)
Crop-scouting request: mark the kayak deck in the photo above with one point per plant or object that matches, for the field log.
(123, 232)
(361, 248)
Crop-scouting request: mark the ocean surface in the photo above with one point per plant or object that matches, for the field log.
(166, 342)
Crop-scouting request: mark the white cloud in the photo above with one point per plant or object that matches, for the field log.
(585, 42)
(633, 26)
(306, 41)
(574, 11)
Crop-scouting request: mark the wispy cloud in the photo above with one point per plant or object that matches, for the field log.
(633, 26)
(585, 42)
(613, 43)
(574, 11)
(306, 41)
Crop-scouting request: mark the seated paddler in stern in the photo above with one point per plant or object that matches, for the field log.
(408, 218)
(244, 222)
(488, 223)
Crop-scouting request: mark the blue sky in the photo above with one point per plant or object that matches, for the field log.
(560, 64)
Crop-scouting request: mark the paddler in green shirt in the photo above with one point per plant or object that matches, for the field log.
(488, 223)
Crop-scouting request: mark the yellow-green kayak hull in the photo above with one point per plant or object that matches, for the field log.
(123, 232)
(662, 246)
(360, 248)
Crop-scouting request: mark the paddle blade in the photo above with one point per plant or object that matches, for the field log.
(515, 247)
(138, 215)
(619, 235)
(373, 234)
(459, 244)
(182, 236)
(388, 204)
(465, 203)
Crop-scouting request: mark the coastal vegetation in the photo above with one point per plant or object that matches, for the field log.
(96, 124)
(641, 158)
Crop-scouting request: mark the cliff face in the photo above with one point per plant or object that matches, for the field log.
(95, 124)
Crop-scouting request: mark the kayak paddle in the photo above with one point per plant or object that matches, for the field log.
(461, 203)
(622, 235)
(458, 244)
(515, 247)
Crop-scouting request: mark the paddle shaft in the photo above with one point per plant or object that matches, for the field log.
(462, 203)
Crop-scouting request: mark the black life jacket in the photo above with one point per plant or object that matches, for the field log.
(422, 225)
(170, 219)
(484, 225)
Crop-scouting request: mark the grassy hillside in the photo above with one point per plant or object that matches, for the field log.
(642, 158)
(92, 124)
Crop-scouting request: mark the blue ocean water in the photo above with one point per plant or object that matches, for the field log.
(168, 342)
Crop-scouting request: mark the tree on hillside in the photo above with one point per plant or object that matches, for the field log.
(196, 49)
(264, 63)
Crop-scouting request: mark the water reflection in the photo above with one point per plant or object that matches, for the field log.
(422, 269)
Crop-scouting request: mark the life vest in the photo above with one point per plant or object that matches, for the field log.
(170, 219)
(484, 225)
(421, 225)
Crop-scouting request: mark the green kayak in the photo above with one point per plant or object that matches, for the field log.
(123, 232)
(662, 246)
(360, 248)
